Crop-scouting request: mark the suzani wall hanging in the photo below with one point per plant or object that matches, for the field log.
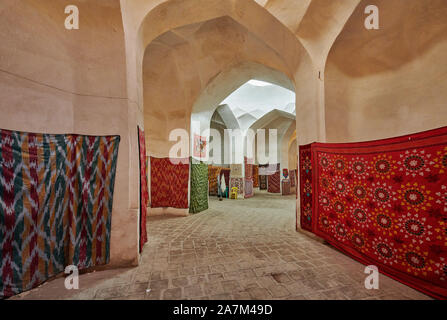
(384, 203)
(56, 197)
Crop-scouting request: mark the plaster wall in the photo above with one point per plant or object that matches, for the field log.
(53, 80)
(391, 81)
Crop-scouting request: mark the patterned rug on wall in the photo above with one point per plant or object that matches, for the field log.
(144, 195)
(248, 188)
(236, 170)
(255, 176)
(292, 178)
(292, 181)
(285, 187)
(239, 183)
(248, 166)
(274, 181)
(199, 188)
(384, 204)
(213, 176)
(169, 183)
(305, 163)
(56, 197)
(262, 182)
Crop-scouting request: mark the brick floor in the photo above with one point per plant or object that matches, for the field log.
(237, 249)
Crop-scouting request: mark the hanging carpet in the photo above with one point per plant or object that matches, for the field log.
(56, 197)
(384, 203)
(199, 187)
(144, 195)
(169, 182)
(274, 180)
(213, 176)
(255, 176)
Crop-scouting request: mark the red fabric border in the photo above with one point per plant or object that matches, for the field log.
(144, 195)
(305, 174)
(430, 138)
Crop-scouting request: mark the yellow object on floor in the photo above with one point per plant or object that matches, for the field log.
(233, 194)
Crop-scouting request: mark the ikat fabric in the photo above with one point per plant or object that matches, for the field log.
(56, 197)
(144, 194)
(384, 203)
(199, 188)
(169, 182)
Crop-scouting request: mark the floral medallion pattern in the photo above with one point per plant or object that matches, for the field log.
(384, 204)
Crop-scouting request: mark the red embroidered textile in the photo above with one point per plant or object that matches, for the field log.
(384, 203)
(144, 194)
(169, 183)
(305, 165)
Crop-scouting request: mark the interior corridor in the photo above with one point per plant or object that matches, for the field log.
(237, 249)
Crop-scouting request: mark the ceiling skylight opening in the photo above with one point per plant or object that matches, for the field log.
(259, 83)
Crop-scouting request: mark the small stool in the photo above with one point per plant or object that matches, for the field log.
(233, 194)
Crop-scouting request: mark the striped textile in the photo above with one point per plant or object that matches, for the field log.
(169, 182)
(56, 196)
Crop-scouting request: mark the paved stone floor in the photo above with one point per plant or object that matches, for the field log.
(244, 249)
